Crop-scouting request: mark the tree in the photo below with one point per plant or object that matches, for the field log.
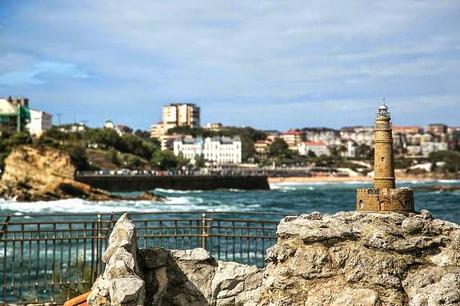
(164, 160)
(19, 138)
(451, 160)
(78, 157)
(200, 161)
(278, 147)
(113, 157)
(364, 151)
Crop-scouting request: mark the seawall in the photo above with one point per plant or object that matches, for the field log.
(126, 183)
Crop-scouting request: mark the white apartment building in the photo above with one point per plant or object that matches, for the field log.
(317, 147)
(359, 134)
(351, 147)
(430, 146)
(40, 122)
(329, 136)
(222, 150)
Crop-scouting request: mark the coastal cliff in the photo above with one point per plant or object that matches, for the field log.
(349, 258)
(45, 173)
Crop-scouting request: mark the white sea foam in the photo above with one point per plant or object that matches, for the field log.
(172, 203)
(448, 181)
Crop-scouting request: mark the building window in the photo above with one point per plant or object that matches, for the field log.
(361, 204)
(383, 159)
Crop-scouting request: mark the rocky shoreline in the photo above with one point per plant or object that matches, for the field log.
(349, 258)
(46, 174)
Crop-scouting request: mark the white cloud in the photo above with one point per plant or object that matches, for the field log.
(242, 52)
(41, 73)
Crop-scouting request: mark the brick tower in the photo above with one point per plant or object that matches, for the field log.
(384, 196)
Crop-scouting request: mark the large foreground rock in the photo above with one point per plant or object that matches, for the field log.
(349, 258)
(353, 258)
(122, 281)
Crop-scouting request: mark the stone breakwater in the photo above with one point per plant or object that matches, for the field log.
(349, 258)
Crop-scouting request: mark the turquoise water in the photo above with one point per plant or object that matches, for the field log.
(284, 198)
(31, 265)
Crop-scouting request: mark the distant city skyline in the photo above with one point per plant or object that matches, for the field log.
(265, 64)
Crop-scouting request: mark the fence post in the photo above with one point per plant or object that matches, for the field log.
(204, 232)
(4, 238)
(5, 225)
(99, 245)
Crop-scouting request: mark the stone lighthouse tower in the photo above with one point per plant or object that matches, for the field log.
(384, 176)
(384, 196)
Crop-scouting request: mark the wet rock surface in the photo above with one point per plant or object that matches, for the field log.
(349, 258)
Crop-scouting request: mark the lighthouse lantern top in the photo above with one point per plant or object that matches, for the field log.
(383, 111)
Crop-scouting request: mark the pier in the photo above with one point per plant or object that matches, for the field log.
(146, 182)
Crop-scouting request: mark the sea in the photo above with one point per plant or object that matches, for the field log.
(282, 199)
(29, 267)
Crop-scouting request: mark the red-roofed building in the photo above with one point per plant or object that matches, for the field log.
(406, 129)
(317, 147)
(293, 137)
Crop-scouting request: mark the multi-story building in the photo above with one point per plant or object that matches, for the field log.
(428, 147)
(40, 122)
(158, 130)
(14, 114)
(293, 137)
(359, 134)
(222, 150)
(454, 137)
(214, 126)
(262, 148)
(351, 148)
(176, 115)
(329, 136)
(437, 129)
(406, 129)
(190, 147)
(317, 147)
(271, 134)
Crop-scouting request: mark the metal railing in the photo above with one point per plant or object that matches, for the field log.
(53, 257)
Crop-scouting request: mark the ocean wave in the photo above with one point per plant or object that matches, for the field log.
(178, 203)
(452, 181)
(183, 200)
(429, 181)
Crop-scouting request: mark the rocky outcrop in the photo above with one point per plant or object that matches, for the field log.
(45, 173)
(353, 258)
(349, 258)
(122, 282)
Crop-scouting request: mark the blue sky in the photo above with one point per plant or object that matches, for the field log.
(267, 64)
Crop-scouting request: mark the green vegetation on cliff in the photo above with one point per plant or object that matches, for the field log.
(9, 141)
(94, 149)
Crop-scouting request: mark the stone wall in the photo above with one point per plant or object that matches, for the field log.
(396, 200)
(349, 258)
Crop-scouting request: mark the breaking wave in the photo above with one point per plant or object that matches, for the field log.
(179, 203)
